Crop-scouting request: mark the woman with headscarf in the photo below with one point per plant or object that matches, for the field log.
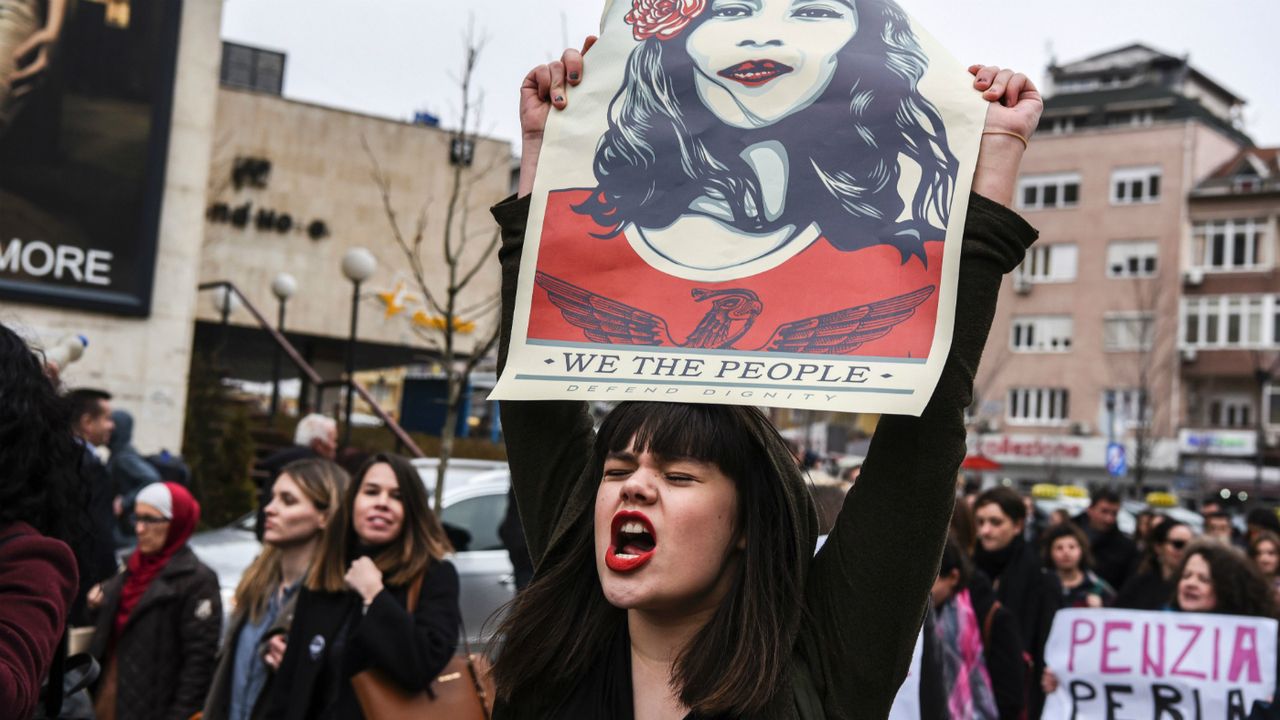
(159, 620)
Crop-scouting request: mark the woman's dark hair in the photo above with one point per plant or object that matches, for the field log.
(561, 625)
(1238, 586)
(963, 529)
(1057, 532)
(39, 456)
(1264, 519)
(1156, 537)
(955, 558)
(1263, 536)
(843, 150)
(1008, 500)
(422, 540)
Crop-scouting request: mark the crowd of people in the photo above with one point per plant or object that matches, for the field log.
(1007, 570)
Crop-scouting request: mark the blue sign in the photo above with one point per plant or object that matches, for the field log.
(1117, 465)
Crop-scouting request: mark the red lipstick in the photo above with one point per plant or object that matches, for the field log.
(754, 73)
(633, 542)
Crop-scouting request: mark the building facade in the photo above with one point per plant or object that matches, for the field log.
(1229, 327)
(1084, 352)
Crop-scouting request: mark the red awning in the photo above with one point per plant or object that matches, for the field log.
(979, 462)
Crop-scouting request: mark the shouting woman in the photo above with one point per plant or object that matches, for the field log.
(675, 574)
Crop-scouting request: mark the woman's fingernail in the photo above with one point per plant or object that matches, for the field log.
(573, 76)
(559, 98)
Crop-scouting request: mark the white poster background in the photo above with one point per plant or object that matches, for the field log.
(1193, 661)
(906, 706)
(546, 371)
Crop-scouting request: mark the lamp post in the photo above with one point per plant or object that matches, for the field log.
(225, 302)
(283, 287)
(358, 265)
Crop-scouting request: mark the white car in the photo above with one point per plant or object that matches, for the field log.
(475, 500)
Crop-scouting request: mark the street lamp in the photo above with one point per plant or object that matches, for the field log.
(358, 265)
(283, 287)
(225, 302)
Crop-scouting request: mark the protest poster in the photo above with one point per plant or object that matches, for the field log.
(756, 202)
(906, 704)
(1143, 665)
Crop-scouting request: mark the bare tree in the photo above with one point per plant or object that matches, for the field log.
(1144, 371)
(461, 249)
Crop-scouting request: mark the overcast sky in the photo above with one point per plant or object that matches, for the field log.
(392, 57)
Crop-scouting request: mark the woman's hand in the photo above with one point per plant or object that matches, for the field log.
(545, 86)
(1015, 108)
(365, 578)
(1048, 682)
(273, 655)
(95, 597)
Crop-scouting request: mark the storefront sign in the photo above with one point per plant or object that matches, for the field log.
(1218, 442)
(83, 146)
(1136, 664)
(1068, 451)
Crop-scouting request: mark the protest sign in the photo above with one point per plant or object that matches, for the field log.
(906, 705)
(757, 203)
(1141, 665)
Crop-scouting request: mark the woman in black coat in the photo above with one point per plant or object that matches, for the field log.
(351, 615)
(158, 622)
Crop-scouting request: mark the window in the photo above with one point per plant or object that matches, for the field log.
(1047, 333)
(1037, 406)
(1131, 406)
(1135, 185)
(480, 516)
(1128, 331)
(1132, 259)
(1039, 192)
(1049, 263)
(1229, 245)
(1231, 321)
(1230, 411)
(252, 68)
(1271, 400)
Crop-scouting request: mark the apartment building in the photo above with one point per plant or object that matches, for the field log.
(1085, 350)
(1229, 329)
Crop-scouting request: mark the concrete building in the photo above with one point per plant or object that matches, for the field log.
(291, 190)
(140, 334)
(1229, 329)
(1084, 350)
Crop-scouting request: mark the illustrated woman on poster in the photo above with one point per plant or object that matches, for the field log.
(745, 135)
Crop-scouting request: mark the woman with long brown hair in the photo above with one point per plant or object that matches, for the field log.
(352, 615)
(304, 498)
(675, 573)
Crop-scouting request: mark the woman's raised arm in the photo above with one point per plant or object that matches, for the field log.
(869, 585)
(548, 442)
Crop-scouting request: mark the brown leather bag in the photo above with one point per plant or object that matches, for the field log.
(464, 690)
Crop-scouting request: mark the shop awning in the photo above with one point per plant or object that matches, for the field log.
(979, 463)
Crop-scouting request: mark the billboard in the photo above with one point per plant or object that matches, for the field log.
(86, 89)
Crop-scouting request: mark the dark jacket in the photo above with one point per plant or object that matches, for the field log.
(37, 584)
(164, 658)
(866, 591)
(1032, 594)
(1114, 554)
(1147, 590)
(95, 550)
(218, 704)
(128, 471)
(1001, 648)
(331, 641)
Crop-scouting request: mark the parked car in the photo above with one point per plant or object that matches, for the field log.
(475, 501)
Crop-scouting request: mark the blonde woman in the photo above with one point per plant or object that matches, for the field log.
(304, 498)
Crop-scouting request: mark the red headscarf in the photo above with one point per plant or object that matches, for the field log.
(144, 568)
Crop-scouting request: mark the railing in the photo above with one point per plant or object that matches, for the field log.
(308, 372)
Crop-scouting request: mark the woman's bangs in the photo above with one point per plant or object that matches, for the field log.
(706, 433)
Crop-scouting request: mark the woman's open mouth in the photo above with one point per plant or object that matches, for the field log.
(633, 542)
(754, 73)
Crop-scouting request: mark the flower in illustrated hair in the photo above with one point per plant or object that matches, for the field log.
(662, 19)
